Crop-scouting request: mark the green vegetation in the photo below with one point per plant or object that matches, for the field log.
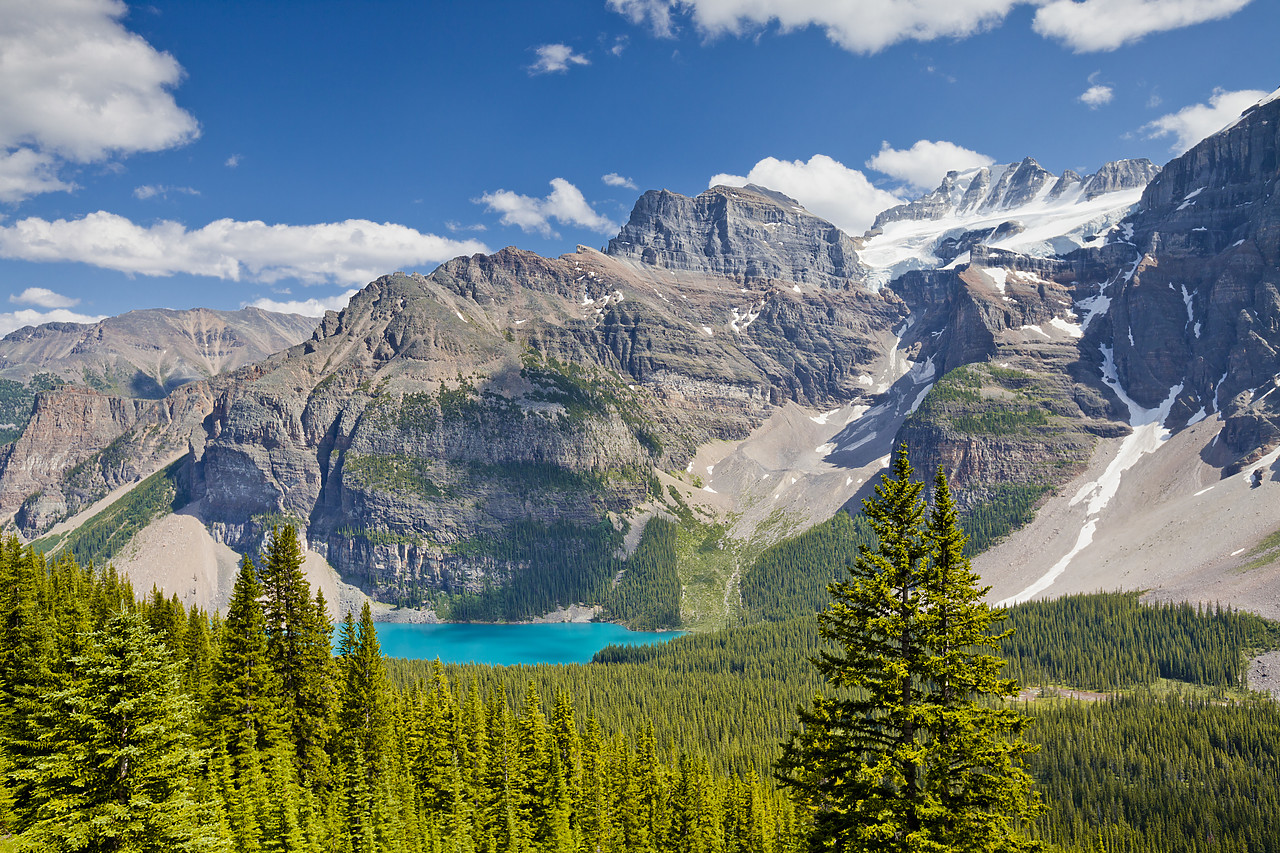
(910, 747)
(253, 736)
(392, 472)
(791, 578)
(647, 596)
(1005, 508)
(1265, 553)
(102, 536)
(16, 401)
(558, 564)
(1111, 641)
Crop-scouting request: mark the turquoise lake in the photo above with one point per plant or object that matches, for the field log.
(505, 645)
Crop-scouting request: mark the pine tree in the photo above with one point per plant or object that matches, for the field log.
(118, 758)
(298, 632)
(906, 756)
(245, 691)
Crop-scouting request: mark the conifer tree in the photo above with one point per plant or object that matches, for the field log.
(118, 760)
(298, 632)
(905, 756)
(245, 688)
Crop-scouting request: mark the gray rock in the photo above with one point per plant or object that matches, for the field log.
(745, 233)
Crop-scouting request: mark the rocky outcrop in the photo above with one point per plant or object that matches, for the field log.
(68, 426)
(1195, 301)
(1120, 175)
(146, 354)
(507, 394)
(745, 233)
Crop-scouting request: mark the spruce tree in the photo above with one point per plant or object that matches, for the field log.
(118, 758)
(913, 751)
(245, 692)
(298, 644)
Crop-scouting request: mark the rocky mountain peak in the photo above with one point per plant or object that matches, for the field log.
(746, 233)
(1120, 175)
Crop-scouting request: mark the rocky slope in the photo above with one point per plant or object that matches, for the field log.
(745, 233)
(734, 354)
(146, 354)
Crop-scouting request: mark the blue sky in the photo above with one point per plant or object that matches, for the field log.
(177, 154)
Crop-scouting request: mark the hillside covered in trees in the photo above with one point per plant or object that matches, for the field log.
(139, 725)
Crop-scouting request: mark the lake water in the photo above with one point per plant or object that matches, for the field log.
(504, 645)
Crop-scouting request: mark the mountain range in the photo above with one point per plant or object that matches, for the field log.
(1095, 355)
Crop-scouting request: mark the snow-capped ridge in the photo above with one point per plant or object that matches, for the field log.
(1019, 207)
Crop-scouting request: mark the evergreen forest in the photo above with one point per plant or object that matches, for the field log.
(130, 722)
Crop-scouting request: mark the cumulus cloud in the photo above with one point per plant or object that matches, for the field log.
(867, 26)
(354, 251)
(10, 320)
(305, 307)
(1097, 96)
(77, 87)
(556, 57)
(147, 191)
(44, 297)
(826, 187)
(861, 26)
(1107, 24)
(232, 161)
(1191, 124)
(613, 179)
(565, 204)
(924, 164)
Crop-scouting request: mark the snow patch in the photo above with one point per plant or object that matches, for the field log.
(1072, 329)
(1148, 435)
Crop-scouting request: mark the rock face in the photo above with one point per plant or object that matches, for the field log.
(1006, 188)
(148, 353)
(510, 398)
(1195, 293)
(510, 395)
(744, 233)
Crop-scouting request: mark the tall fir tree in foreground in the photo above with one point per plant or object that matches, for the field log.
(913, 751)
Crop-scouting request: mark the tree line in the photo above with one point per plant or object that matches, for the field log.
(144, 725)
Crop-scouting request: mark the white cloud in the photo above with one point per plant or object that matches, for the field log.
(867, 26)
(43, 297)
(613, 179)
(656, 13)
(1191, 124)
(924, 164)
(861, 26)
(305, 307)
(1107, 24)
(826, 187)
(76, 87)
(1097, 96)
(354, 251)
(147, 191)
(556, 57)
(565, 204)
(10, 320)
(232, 161)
